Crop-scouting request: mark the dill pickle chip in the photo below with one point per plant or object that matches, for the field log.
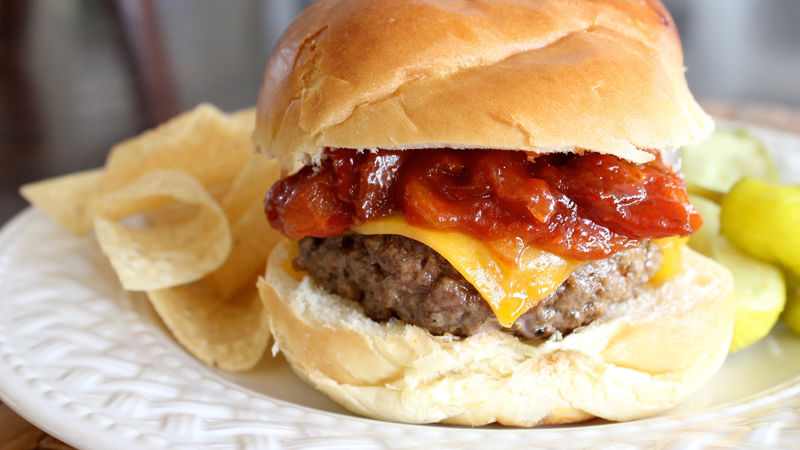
(759, 292)
(759, 288)
(720, 161)
(764, 221)
(791, 314)
(701, 240)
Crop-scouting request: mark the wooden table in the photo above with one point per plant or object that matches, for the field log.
(16, 433)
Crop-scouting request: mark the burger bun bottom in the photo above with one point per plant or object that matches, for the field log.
(646, 355)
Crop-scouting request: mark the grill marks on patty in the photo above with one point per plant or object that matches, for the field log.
(394, 276)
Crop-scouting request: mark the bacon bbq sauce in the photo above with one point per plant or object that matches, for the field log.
(586, 206)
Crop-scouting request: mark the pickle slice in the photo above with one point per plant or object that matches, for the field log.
(759, 291)
(759, 219)
(759, 288)
(791, 314)
(702, 239)
(764, 221)
(718, 163)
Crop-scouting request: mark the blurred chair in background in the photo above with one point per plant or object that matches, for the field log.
(141, 45)
(20, 118)
(144, 49)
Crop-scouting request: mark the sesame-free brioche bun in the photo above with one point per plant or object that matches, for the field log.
(645, 356)
(536, 75)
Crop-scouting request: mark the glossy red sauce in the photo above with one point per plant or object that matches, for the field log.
(585, 206)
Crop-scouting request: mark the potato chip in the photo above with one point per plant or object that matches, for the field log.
(244, 118)
(66, 199)
(253, 238)
(166, 254)
(230, 334)
(205, 143)
(250, 186)
(179, 213)
(170, 213)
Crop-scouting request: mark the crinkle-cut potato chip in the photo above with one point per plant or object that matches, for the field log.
(253, 238)
(204, 142)
(66, 199)
(231, 334)
(166, 253)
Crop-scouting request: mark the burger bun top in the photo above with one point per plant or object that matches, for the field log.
(536, 75)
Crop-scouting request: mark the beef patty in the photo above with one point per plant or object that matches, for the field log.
(394, 276)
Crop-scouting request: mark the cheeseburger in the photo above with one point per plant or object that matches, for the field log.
(483, 223)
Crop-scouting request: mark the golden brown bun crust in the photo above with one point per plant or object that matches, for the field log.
(648, 355)
(537, 75)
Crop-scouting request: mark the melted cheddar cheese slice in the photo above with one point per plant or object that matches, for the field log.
(671, 257)
(509, 290)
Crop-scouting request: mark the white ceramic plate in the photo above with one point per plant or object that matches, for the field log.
(94, 366)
